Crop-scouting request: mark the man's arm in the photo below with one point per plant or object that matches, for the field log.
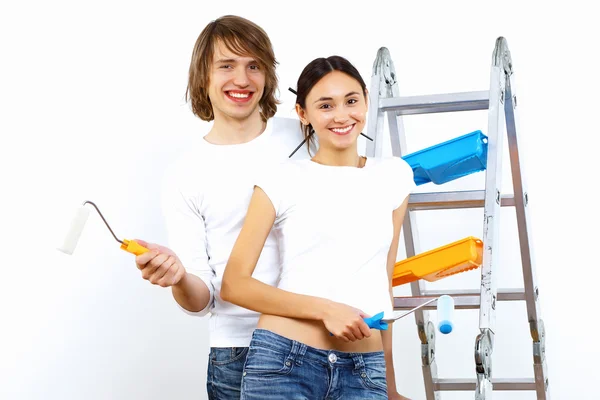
(186, 235)
(386, 335)
(184, 265)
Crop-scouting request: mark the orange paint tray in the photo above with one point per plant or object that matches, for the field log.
(460, 256)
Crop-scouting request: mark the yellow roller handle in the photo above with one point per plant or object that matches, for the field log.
(133, 247)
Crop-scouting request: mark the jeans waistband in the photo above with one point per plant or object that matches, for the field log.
(271, 340)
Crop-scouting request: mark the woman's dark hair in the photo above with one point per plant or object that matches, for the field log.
(313, 73)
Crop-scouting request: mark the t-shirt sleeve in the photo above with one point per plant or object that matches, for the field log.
(402, 181)
(186, 233)
(272, 182)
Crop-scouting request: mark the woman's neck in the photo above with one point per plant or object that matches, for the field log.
(344, 158)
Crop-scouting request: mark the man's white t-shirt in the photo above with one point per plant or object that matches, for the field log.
(334, 228)
(205, 197)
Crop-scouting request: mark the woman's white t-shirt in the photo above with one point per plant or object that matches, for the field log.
(334, 227)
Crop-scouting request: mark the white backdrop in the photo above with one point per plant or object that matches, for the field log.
(92, 108)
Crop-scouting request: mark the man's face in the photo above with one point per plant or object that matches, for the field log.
(236, 84)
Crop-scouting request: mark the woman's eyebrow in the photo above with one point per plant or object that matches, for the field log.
(330, 98)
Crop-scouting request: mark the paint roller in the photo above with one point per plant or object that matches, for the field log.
(445, 310)
(76, 228)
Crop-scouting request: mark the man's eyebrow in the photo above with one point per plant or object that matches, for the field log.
(225, 60)
(233, 60)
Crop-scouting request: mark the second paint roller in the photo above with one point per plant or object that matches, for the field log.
(78, 224)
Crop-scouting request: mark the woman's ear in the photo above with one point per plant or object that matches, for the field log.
(301, 114)
(367, 98)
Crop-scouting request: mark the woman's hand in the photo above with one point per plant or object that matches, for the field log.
(345, 322)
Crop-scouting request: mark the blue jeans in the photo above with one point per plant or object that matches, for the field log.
(280, 368)
(224, 377)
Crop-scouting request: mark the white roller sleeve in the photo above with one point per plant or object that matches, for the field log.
(75, 230)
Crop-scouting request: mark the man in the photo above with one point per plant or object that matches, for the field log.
(205, 194)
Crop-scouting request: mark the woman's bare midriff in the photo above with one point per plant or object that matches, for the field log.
(314, 334)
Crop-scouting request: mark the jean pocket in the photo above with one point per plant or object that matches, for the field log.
(266, 360)
(374, 378)
(227, 355)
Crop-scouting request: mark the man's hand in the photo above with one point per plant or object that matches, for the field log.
(160, 265)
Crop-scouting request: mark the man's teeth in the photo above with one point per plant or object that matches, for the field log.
(342, 130)
(239, 95)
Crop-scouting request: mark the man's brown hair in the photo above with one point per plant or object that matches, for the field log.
(242, 37)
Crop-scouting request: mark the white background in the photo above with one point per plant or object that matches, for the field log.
(92, 108)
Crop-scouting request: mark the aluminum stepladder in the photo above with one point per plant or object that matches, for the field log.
(500, 101)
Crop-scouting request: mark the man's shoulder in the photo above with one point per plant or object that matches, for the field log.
(286, 123)
(185, 165)
(287, 133)
(288, 129)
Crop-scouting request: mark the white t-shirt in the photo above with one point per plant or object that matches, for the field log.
(205, 197)
(334, 228)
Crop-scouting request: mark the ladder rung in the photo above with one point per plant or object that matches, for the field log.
(503, 294)
(463, 300)
(448, 200)
(436, 103)
(470, 384)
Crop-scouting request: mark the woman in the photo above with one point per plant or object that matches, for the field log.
(337, 218)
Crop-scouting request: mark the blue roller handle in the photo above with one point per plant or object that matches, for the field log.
(376, 322)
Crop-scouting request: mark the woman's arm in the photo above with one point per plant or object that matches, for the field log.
(239, 287)
(386, 336)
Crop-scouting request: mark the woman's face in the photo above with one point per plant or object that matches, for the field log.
(336, 108)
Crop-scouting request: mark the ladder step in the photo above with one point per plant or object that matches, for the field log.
(463, 300)
(437, 103)
(449, 200)
(470, 384)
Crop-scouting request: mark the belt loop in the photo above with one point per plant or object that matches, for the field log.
(294, 350)
(359, 362)
(298, 351)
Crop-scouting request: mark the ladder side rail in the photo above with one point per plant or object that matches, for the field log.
(375, 121)
(425, 328)
(521, 199)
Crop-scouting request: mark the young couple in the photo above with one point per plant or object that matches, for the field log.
(287, 255)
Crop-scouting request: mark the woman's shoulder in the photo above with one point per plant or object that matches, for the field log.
(393, 162)
(394, 166)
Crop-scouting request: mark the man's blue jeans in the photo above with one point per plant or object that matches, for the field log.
(224, 377)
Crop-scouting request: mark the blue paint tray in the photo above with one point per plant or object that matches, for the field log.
(449, 160)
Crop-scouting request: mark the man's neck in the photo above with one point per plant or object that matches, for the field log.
(227, 130)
